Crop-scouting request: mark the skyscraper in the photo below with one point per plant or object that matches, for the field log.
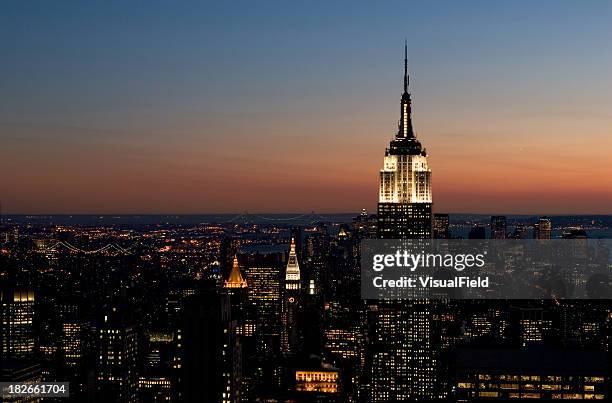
(16, 320)
(264, 301)
(401, 363)
(236, 288)
(543, 228)
(404, 198)
(212, 362)
(291, 303)
(117, 377)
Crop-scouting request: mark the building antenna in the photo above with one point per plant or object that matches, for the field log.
(406, 78)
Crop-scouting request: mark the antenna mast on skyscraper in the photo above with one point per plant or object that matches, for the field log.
(406, 78)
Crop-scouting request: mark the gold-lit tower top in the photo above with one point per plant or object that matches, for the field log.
(235, 279)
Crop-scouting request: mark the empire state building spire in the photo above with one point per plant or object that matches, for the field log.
(406, 78)
(405, 127)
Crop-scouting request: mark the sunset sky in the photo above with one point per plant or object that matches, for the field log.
(276, 106)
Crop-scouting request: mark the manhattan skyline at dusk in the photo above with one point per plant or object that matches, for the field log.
(112, 109)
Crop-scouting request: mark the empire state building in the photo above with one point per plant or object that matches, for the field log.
(404, 197)
(401, 359)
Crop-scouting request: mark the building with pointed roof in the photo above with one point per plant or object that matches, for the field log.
(235, 279)
(292, 302)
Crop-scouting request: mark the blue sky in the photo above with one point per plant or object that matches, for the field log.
(164, 88)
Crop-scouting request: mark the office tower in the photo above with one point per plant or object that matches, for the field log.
(17, 340)
(441, 226)
(291, 303)
(16, 318)
(236, 287)
(400, 361)
(212, 363)
(156, 381)
(117, 377)
(71, 336)
(498, 227)
(543, 228)
(71, 340)
(477, 232)
(264, 301)
(404, 198)
(365, 225)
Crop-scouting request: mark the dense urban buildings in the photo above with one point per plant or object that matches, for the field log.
(268, 308)
(154, 318)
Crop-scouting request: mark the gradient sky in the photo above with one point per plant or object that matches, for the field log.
(194, 107)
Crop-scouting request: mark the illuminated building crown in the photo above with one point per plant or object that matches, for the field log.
(405, 177)
(293, 267)
(235, 279)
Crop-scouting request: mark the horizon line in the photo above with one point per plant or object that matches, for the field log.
(7, 214)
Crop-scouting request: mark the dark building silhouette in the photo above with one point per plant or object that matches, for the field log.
(499, 229)
(212, 361)
(477, 232)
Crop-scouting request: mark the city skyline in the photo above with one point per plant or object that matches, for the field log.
(173, 122)
(136, 117)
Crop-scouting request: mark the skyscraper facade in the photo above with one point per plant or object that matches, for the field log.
(400, 358)
(117, 376)
(16, 320)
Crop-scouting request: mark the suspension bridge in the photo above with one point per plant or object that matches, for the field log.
(244, 218)
(111, 247)
(247, 217)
